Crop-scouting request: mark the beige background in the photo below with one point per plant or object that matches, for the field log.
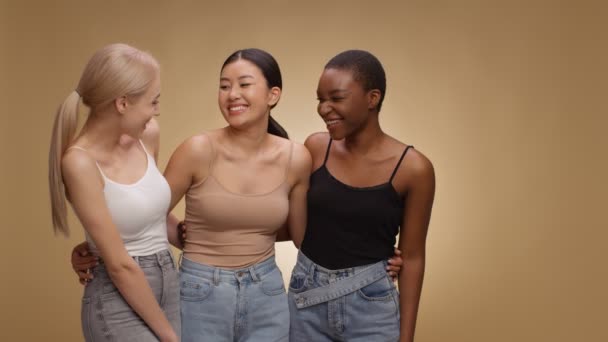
(507, 98)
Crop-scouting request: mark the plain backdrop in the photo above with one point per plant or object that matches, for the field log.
(507, 98)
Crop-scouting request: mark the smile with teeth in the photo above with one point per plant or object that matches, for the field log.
(237, 109)
(332, 122)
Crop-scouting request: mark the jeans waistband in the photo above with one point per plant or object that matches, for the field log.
(162, 258)
(252, 273)
(341, 282)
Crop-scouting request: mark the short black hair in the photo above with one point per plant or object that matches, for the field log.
(366, 69)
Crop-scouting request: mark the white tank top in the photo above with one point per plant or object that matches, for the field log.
(139, 210)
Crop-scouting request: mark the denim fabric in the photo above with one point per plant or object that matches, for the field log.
(352, 304)
(106, 316)
(241, 305)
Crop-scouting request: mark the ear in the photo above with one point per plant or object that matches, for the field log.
(121, 104)
(373, 98)
(275, 95)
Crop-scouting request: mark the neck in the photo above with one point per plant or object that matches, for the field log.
(102, 130)
(366, 139)
(249, 140)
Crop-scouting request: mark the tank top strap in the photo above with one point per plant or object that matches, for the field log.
(213, 153)
(289, 159)
(141, 142)
(399, 163)
(327, 152)
(103, 175)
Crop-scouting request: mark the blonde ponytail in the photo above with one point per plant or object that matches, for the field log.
(64, 129)
(113, 71)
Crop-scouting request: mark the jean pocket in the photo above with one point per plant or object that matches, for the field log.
(298, 282)
(272, 284)
(193, 288)
(380, 290)
(117, 312)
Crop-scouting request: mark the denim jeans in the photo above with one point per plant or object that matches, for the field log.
(248, 304)
(357, 304)
(106, 316)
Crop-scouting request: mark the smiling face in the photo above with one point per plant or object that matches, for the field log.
(244, 97)
(343, 103)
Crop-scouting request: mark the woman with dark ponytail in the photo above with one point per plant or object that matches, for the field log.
(243, 183)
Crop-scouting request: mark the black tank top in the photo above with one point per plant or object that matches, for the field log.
(349, 226)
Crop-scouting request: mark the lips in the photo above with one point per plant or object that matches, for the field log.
(237, 109)
(331, 122)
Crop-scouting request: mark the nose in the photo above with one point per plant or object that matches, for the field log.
(323, 108)
(234, 93)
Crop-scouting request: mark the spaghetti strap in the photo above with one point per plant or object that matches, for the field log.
(76, 147)
(144, 147)
(399, 163)
(213, 153)
(327, 152)
(103, 175)
(289, 159)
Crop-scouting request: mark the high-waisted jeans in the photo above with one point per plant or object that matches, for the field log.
(248, 304)
(357, 304)
(106, 316)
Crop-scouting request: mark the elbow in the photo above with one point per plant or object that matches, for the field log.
(122, 269)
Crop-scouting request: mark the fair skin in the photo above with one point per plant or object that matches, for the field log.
(110, 137)
(362, 155)
(245, 100)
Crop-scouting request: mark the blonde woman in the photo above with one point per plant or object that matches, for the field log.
(108, 173)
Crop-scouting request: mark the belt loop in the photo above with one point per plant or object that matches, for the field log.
(254, 274)
(171, 257)
(136, 258)
(159, 259)
(216, 276)
(311, 274)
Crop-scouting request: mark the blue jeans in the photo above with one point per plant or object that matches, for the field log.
(105, 314)
(248, 304)
(353, 304)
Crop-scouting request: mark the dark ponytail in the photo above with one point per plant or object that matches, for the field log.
(270, 69)
(275, 128)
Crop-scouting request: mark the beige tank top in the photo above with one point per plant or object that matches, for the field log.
(231, 230)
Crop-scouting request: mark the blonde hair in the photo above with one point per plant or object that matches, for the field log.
(115, 70)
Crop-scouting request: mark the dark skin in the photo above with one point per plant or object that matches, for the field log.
(362, 155)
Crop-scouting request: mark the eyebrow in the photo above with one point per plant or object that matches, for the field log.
(333, 92)
(240, 77)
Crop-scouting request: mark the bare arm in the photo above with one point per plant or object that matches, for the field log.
(172, 232)
(86, 193)
(300, 171)
(412, 241)
(188, 165)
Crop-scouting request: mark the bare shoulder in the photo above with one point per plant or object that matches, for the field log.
(78, 165)
(301, 159)
(417, 164)
(152, 131)
(151, 136)
(198, 146)
(316, 144)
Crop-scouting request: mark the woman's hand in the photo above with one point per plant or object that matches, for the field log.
(82, 262)
(394, 265)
